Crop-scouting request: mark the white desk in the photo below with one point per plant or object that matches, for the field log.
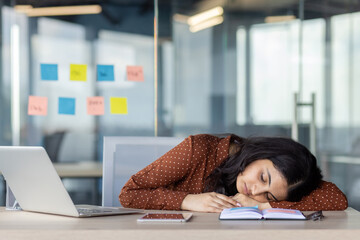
(24, 225)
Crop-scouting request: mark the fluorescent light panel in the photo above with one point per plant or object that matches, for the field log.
(22, 8)
(180, 18)
(284, 18)
(60, 11)
(210, 23)
(201, 17)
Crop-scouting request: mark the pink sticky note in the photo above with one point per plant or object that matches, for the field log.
(37, 105)
(135, 73)
(95, 105)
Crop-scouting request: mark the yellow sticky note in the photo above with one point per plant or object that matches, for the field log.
(78, 72)
(118, 105)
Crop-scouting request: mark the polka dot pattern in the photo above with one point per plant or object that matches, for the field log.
(327, 197)
(165, 183)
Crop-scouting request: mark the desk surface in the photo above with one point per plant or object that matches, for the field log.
(26, 225)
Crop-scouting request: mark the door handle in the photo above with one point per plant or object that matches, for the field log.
(295, 123)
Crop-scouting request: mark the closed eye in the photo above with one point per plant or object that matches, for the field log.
(262, 177)
(267, 197)
(268, 193)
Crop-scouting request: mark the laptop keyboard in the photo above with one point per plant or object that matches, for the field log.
(88, 211)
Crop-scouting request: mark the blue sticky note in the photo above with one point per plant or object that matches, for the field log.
(105, 72)
(67, 106)
(49, 72)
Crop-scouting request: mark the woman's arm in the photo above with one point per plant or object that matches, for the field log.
(175, 180)
(208, 202)
(326, 197)
(150, 188)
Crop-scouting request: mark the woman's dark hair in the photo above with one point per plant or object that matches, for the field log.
(293, 160)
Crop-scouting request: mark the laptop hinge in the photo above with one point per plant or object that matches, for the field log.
(11, 203)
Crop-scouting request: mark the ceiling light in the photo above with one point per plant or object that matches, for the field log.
(60, 11)
(203, 16)
(209, 23)
(22, 8)
(284, 18)
(180, 18)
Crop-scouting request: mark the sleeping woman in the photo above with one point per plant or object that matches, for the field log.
(206, 173)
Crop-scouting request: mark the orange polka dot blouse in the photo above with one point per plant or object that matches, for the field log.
(165, 183)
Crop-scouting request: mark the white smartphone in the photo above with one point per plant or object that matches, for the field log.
(165, 217)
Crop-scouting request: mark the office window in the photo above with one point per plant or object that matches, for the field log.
(341, 61)
(121, 50)
(241, 76)
(193, 69)
(274, 71)
(313, 69)
(345, 71)
(273, 68)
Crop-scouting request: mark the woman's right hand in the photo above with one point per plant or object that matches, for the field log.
(208, 202)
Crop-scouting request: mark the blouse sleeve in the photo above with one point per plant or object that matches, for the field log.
(326, 197)
(150, 188)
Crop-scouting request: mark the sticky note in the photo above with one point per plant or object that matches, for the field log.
(37, 105)
(95, 105)
(105, 72)
(135, 73)
(66, 105)
(49, 72)
(118, 105)
(78, 72)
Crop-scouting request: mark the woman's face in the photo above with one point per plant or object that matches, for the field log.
(262, 181)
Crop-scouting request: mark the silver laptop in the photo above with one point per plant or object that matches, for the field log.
(37, 187)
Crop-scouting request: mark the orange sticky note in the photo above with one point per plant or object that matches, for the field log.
(118, 105)
(135, 73)
(95, 105)
(37, 105)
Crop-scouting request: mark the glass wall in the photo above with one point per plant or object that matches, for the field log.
(211, 66)
(54, 68)
(237, 70)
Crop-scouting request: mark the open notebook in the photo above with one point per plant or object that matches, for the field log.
(253, 213)
(37, 187)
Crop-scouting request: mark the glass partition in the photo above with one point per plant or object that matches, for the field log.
(236, 65)
(196, 66)
(69, 80)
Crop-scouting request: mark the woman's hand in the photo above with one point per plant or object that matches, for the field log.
(247, 201)
(208, 202)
